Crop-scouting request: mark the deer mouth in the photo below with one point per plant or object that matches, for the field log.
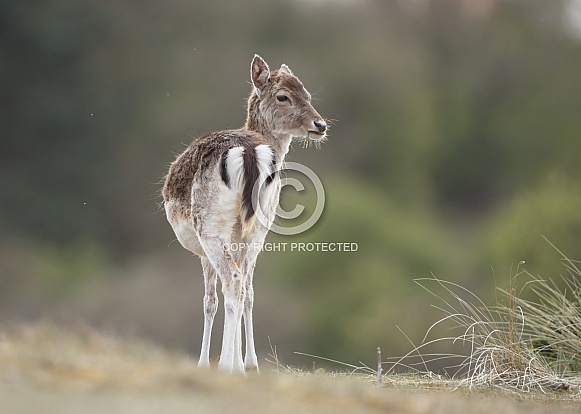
(319, 134)
(315, 138)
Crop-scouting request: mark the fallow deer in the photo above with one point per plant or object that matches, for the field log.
(214, 188)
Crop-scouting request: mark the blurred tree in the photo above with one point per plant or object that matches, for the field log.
(442, 110)
(51, 151)
(358, 297)
(552, 210)
(490, 145)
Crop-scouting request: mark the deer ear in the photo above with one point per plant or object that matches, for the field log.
(285, 69)
(259, 73)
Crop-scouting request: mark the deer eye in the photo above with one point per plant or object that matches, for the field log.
(282, 98)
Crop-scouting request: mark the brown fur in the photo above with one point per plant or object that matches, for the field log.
(209, 211)
(278, 81)
(202, 154)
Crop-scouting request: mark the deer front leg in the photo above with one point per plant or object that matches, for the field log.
(250, 359)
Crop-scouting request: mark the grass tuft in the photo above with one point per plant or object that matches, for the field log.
(526, 344)
(531, 339)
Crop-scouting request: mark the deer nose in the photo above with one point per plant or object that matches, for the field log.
(321, 125)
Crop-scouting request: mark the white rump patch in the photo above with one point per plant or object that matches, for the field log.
(264, 195)
(235, 167)
(264, 156)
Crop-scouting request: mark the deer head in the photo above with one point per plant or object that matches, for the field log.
(280, 105)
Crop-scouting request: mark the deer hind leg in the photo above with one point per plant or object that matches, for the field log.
(210, 308)
(233, 288)
(254, 238)
(254, 243)
(250, 359)
(234, 291)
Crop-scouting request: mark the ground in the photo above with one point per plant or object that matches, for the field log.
(51, 369)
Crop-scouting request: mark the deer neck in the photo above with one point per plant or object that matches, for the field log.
(279, 142)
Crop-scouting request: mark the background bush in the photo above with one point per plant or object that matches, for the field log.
(455, 148)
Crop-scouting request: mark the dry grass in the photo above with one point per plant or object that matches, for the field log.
(529, 343)
(524, 357)
(44, 368)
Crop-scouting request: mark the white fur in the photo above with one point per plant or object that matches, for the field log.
(235, 167)
(211, 219)
(263, 194)
(264, 156)
(183, 229)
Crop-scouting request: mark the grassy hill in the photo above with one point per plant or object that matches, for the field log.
(50, 369)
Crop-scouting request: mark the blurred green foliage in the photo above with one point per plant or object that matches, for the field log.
(357, 297)
(455, 143)
(553, 211)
